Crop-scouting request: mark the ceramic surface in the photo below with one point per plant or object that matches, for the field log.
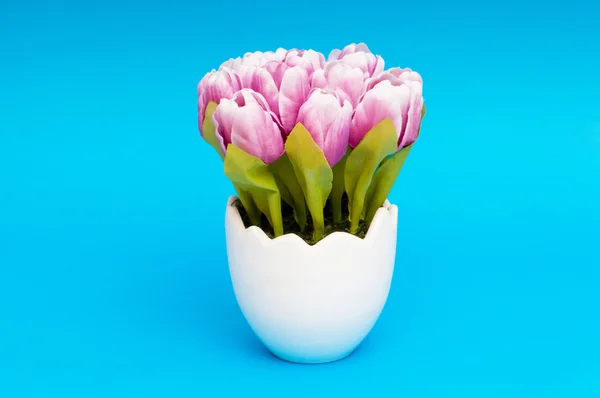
(311, 304)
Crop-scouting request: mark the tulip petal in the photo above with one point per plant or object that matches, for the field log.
(280, 54)
(413, 116)
(393, 78)
(328, 123)
(349, 49)
(335, 142)
(362, 47)
(260, 80)
(202, 100)
(318, 79)
(223, 118)
(413, 124)
(295, 87)
(383, 101)
(215, 86)
(334, 55)
(277, 70)
(316, 59)
(210, 134)
(378, 66)
(353, 86)
(358, 60)
(347, 81)
(255, 131)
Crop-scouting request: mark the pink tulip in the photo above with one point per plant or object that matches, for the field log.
(406, 74)
(347, 81)
(277, 70)
(308, 59)
(389, 96)
(295, 87)
(327, 117)
(260, 80)
(285, 89)
(260, 58)
(247, 122)
(215, 86)
(359, 56)
(257, 58)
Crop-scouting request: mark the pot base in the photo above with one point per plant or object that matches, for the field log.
(312, 360)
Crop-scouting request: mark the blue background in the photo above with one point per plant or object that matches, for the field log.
(113, 273)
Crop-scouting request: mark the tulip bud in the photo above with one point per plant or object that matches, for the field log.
(359, 56)
(276, 69)
(347, 81)
(405, 74)
(260, 80)
(308, 59)
(257, 58)
(293, 91)
(285, 89)
(215, 86)
(247, 122)
(327, 117)
(389, 96)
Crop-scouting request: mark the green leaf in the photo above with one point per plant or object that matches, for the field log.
(246, 198)
(249, 174)
(313, 173)
(208, 129)
(338, 188)
(383, 181)
(384, 178)
(362, 162)
(290, 188)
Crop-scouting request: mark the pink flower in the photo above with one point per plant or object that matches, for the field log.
(247, 122)
(399, 98)
(308, 59)
(260, 80)
(359, 56)
(286, 90)
(327, 117)
(346, 80)
(215, 86)
(257, 58)
(403, 75)
(295, 87)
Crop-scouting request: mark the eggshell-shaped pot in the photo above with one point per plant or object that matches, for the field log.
(311, 304)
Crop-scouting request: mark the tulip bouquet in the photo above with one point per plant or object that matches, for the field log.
(311, 145)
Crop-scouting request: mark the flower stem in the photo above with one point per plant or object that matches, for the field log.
(338, 189)
(336, 209)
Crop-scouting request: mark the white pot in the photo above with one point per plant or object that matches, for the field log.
(311, 304)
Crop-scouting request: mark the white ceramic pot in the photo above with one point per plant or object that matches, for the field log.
(311, 304)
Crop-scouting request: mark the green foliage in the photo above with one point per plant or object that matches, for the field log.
(312, 172)
(291, 191)
(382, 182)
(344, 198)
(338, 188)
(254, 180)
(380, 142)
